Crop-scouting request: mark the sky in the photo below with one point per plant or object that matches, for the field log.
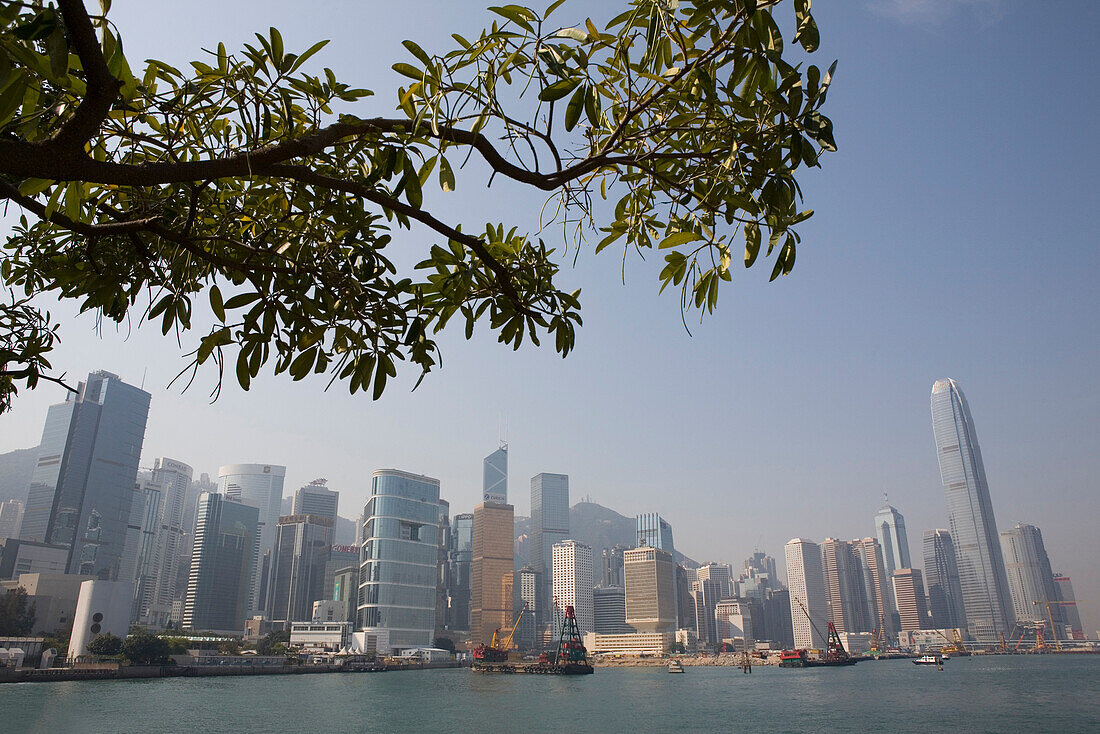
(951, 239)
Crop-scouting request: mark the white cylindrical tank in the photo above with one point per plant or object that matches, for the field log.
(103, 607)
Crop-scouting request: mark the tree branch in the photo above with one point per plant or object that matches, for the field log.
(102, 87)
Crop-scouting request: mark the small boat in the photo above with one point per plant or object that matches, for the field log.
(674, 666)
(928, 660)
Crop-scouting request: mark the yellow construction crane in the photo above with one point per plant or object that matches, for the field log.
(1050, 617)
(955, 644)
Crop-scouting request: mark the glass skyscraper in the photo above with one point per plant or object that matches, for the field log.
(941, 574)
(399, 569)
(302, 547)
(495, 477)
(260, 485)
(82, 487)
(655, 532)
(1030, 578)
(221, 564)
(982, 578)
(890, 528)
(550, 526)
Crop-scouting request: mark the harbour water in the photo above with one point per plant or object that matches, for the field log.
(990, 694)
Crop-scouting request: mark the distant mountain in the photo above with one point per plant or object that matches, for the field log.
(593, 525)
(16, 468)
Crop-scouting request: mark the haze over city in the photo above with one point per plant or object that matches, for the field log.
(948, 241)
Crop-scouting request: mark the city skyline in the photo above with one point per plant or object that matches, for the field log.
(653, 518)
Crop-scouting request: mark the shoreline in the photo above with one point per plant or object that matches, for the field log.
(138, 672)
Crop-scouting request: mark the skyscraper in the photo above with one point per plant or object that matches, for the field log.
(650, 578)
(11, 517)
(573, 583)
(809, 603)
(260, 485)
(982, 578)
(941, 574)
(1072, 615)
(612, 566)
(844, 587)
(550, 525)
(83, 484)
(221, 564)
(890, 528)
(655, 532)
(157, 592)
(609, 611)
(495, 476)
(460, 559)
(139, 559)
(733, 621)
(400, 556)
(527, 595)
(909, 593)
(1030, 578)
(317, 499)
(760, 563)
(491, 576)
(878, 587)
(712, 584)
(302, 547)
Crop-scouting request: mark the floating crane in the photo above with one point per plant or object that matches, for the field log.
(495, 652)
(1053, 630)
(835, 654)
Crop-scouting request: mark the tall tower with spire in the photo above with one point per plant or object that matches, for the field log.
(985, 592)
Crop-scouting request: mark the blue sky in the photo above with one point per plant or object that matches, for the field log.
(951, 240)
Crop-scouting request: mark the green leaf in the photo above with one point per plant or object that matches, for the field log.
(678, 238)
(243, 375)
(446, 175)
(409, 70)
(413, 193)
(276, 47)
(417, 52)
(573, 33)
(592, 105)
(573, 109)
(559, 89)
(241, 299)
(216, 303)
(307, 53)
(752, 243)
(516, 14)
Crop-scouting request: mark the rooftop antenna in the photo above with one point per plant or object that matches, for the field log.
(143, 374)
(502, 432)
(886, 498)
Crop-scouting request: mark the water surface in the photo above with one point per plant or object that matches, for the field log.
(994, 694)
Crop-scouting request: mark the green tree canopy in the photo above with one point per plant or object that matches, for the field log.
(16, 614)
(105, 645)
(144, 648)
(266, 196)
(273, 643)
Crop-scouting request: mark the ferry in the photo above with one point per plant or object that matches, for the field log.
(675, 666)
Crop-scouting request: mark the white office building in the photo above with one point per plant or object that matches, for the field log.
(809, 602)
(573, 583)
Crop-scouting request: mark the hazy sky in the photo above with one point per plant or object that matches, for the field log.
(951, 240)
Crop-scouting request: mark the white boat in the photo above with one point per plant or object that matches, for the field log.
(674, 666)
(928, 660)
